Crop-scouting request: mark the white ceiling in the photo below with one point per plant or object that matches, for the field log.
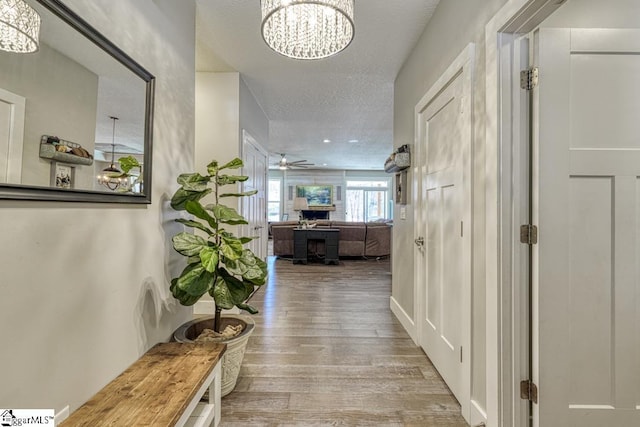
(345, 98)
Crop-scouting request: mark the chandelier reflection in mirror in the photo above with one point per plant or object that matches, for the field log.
(112, 177)
(307, 29)
(19, 27)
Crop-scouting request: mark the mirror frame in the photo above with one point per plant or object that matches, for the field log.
(29, 192)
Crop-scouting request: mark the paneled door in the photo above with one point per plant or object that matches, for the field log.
(254, 208)
(586, 269)
(444, 227)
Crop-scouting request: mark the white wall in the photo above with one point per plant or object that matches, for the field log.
(454, 24)
(252, 117)
(224, 106)
(85, 287)
(217, 118)
(596, 14)
(61, 100)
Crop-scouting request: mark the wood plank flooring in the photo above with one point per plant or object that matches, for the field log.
(327, 351)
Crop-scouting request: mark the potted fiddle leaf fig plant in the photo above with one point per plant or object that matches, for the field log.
(218, 264)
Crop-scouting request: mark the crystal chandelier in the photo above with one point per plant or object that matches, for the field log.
(307, 29)
(19, 27)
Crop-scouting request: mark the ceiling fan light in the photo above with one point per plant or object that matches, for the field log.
(19, 27)
(307, 29)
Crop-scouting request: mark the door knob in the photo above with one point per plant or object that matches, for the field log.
(419, 242)
(258, 227)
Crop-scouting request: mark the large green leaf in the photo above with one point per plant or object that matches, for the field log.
(222, 295)
(193, 182)
(188, 244)
(212, 168)
(256, 269)
(243, 239)
(195, 208)
(228, 215)
(233, 164)
(246, 193)
(182, 296)
(229, 252)
(239, 291)
(195, 224)
(234, 243)
(182, 196)
(251, 309)
(251, 268)
(230, 179)
(195, 280)
(209, 259)
(127, 163)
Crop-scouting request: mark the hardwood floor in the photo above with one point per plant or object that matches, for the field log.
(327, 351)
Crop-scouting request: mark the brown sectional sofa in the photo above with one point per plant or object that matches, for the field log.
(356, 239)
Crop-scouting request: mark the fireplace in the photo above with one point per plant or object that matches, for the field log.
(314, 214)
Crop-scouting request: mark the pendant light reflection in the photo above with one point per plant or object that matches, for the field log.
(112, 177)
(19, 27)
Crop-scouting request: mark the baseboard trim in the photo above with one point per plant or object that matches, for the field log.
(478, 414)
(405, 320)
(61, 416)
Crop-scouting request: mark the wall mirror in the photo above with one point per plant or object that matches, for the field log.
(72, 110)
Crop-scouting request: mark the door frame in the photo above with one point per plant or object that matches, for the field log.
(12, 173)
(247, 138)
(507, 351)
(463, 65)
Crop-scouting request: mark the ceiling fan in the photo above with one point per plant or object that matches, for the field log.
(285, 164)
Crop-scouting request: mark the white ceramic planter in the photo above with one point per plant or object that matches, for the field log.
(232, 358)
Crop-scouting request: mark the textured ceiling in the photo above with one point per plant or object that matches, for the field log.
(345, 98)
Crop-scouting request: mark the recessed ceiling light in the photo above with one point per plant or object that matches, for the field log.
(353, 141)
(326, 141)
(324, 164)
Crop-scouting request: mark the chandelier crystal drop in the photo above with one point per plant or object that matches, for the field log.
(307, 29)
(19, 27)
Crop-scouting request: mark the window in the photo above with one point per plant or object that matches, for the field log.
(274, 200)
(367, 200)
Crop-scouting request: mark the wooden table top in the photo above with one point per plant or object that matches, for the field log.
(155, 390)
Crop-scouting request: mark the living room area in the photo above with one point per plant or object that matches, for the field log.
(358, 204)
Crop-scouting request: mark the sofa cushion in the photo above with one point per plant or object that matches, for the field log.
(282, 234)
(378, 240)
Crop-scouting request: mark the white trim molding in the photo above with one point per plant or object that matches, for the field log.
(405, 320)
(514, 18)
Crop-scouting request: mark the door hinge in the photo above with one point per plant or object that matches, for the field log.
(529, 391)
(528, 234)
(529, 78)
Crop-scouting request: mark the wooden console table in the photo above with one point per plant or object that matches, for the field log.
(301, 237)
(162, 388)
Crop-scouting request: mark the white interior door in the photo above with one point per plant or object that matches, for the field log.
(444, 209)
(12, 109)
(586, 269)
(254, 208)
